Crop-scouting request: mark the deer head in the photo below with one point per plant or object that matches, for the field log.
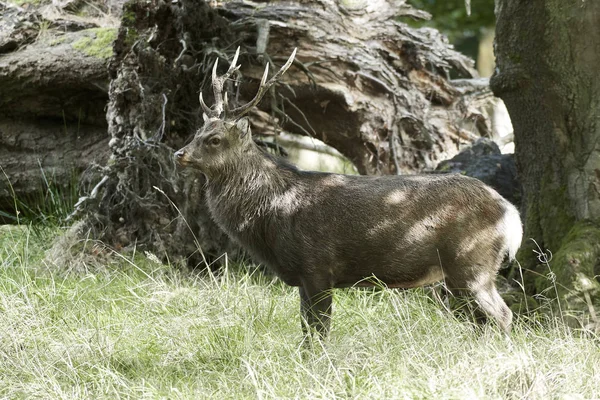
(225, 135)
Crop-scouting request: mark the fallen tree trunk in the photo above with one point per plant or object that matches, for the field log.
(53, 91)
(374, 88)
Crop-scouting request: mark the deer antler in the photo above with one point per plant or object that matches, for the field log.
(217, 83)
(221, 103)
(262, 88)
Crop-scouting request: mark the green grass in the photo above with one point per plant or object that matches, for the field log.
(22, 2)
(134, 328)
(45, 209)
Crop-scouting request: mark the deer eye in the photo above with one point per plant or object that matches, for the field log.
(214, 141)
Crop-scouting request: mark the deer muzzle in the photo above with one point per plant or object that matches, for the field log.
(181, 157)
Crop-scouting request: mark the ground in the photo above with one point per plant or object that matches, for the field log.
(128, 326)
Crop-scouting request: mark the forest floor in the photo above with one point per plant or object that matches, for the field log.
(132, 327)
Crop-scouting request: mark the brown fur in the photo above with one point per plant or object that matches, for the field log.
(319, 231)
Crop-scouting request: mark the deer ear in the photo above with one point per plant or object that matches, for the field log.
(243, 126)
(204, 117)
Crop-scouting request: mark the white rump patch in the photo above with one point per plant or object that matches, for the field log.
(511, 229)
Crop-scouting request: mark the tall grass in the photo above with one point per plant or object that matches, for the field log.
(49, 207)
(140, 329)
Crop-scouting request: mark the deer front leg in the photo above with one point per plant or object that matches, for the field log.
(315, 308)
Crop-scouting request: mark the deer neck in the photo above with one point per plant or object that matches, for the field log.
(243, 196)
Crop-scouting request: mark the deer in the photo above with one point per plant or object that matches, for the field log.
(318, 231)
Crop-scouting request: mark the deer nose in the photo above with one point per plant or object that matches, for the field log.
(179, 154)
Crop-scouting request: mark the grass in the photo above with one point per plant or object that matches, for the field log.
(134, 328)
(48, 207)
(22, 2)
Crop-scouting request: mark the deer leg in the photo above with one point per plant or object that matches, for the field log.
(315, 307)
(490, 301)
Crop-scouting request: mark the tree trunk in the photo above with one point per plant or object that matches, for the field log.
(381, 96)
(547, 55)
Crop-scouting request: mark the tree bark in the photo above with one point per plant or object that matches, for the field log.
(52, 99)
(547, 55)
(367, 82)
(381, 96)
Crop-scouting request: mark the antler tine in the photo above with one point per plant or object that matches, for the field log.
(220, 81)
(263, 87)
(205, 108)
(233, 66)
(217, 84)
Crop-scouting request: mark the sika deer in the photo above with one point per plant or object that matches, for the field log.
(319, 231)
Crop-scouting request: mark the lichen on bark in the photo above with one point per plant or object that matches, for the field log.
(97, 42)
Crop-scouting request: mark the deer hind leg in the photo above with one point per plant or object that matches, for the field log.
(490, 301)
(315, 306)
(482, 288)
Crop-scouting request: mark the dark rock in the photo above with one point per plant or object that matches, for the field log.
(484, 161)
